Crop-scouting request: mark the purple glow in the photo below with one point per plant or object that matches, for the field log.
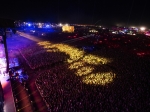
(47, 26)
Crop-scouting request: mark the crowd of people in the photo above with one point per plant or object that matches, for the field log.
(37, 56)
(63, 88)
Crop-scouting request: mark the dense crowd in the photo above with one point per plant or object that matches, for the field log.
(37, 56)
(63, 87)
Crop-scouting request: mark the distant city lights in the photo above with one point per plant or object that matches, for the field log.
(47, 26)
(60, 24)
(142, 28)
(29, 24)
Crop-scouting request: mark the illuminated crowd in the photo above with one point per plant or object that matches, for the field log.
(37, 57)
(83, 82)
(75, 59)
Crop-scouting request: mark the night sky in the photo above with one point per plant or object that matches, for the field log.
(104, 12)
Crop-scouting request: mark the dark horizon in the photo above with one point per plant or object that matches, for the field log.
(117, 12)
